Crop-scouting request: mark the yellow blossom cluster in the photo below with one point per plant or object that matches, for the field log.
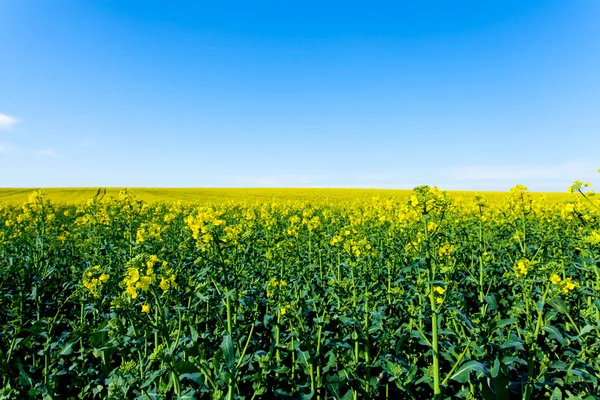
(521, 267)
(167, 283)
(203, 223)
(565, 285)
(439, 291)
(593, 238)
(312, 223)
(140, 275)
(93, 279)
(577, 185)
(335, 240)
(273, 285)
(567, 211)
(446, 250)
(285, 309)
(148, 231)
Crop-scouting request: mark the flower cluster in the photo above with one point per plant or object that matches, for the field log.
(93, 279)
(140, 275)
(148, 232)
(274, 285)
(577, 185)
(446, 250)
(593, 238)
(439, 291)
(203, 224)
(521, 267)
(565, 285)
(285, 309)
(167, 283)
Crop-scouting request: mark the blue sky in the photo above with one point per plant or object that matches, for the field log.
(477, 95)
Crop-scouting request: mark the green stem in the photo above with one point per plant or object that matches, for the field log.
(437, 393)
(531, 363)
(458, 360)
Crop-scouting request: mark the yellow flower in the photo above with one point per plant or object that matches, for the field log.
(521, 268)
(439, 300)
(131, 291)
(164, 284)
(144, 283)
(134, 275)
(439, 290)
(555, 278)
(445, 250)
(104, 277)
(568, 285)
(145, 308)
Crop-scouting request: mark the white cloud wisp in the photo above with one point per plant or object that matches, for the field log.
(7, 122)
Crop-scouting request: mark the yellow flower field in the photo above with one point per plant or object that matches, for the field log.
(324, 294)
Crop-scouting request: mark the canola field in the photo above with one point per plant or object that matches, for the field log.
(203, 196)
(407, 295)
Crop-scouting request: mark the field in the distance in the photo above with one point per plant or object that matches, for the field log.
(218, 195)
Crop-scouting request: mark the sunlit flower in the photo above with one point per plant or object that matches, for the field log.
(521, 268)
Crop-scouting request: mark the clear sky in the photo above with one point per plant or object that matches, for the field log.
(474, 94)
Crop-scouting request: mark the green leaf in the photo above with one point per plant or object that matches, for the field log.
(556, 394)
(347, 320)
(67, 349)
(513, 341)
(559, 305)
(508, 361)
(504, 322)
(228, 352)
(303, 357)
(308, 396)
(496, 368)
(491, 300)
(24, 378)
(186, 367)
(332, 361)
(195, 377)
(462, 373)
(554, 333)
(150, 380)
(463, 317)
(585, 330)
(348, 395)
(194, 334)
(187, 395)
